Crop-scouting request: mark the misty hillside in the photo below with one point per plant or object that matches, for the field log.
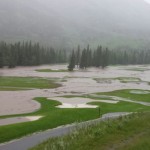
(66, 23)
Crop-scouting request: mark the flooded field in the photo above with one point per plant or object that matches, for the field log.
(73, 83)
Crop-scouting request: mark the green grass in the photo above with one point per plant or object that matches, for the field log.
(126, 94)
(23, 83)
(118, 93)
(125, 133)
(54, 117)
(50, 70)
(120, 107)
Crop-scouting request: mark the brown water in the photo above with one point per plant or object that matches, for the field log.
(17, 102)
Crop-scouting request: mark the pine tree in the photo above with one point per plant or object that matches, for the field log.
(72, 62)
(1, 60)
(105, 58)
(98, 61)
(83, 61)
(78, 56)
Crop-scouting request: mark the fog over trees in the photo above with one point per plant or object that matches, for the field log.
(28, 54)
(121, 24)
(55, 27)
(103, 57)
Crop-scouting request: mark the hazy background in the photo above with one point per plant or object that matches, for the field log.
(66, 23)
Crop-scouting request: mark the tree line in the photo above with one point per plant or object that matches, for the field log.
(102, 57)
(29, 54)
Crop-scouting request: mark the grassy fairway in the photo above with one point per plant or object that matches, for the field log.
(23, 83)
(54, 117)
(120, 107)
(119, 93)
(50, 70)
(126, 94)
(127, 133)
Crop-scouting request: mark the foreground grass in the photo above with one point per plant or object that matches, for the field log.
(118, 134)
(23, 83)
(54, 117)
(50, 70)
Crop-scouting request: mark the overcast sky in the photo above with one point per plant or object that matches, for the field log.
(148, 1)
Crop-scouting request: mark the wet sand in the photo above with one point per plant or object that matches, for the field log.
(14, 120)
(79, 102)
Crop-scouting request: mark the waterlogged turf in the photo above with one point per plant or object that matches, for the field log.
(50, 70)
(120, 107)
(23, 83)
(129, 95)
(135, 95)
(121, 79)
(138, 69)
(54, 117)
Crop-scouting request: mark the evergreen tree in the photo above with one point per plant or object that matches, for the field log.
(98, 57)
(83, 61)
(1, 60)
(105, 58)
(72, 62)
(78, 56)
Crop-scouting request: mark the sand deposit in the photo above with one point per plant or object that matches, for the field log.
(79, 102)
(67, 105)
(14, 120)
(139, 92)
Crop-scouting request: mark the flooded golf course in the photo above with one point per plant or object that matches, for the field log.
(72, 83)
(88, 90)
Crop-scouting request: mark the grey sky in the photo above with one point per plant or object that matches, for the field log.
(148, 1)
(72, 22)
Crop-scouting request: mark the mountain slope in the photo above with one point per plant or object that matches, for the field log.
(66, 23)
